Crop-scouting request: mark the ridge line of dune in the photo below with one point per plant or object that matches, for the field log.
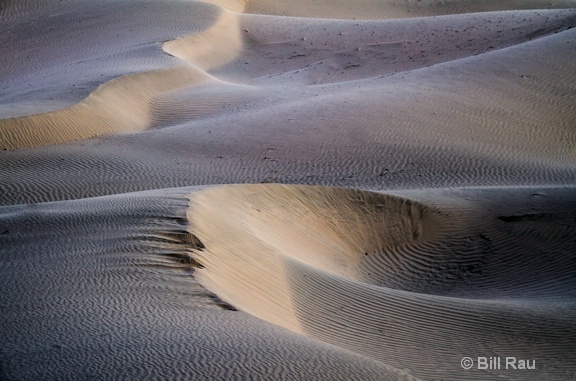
(375, 273)
(123, 104)
(351, 219)
(113, 107)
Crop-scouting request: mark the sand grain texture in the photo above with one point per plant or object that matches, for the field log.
(305, 190)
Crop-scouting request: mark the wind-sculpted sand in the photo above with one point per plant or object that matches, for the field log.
(405, 282)
(306, 190)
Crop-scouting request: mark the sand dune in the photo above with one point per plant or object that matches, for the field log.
(329, 51)
(123, 104)
(379, 274)
(425, 158)
(510, 126)
(120, 105)
(95, 314)
(383, 9)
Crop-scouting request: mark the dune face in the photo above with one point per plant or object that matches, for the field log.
(334, 230)
(305, 190)
(405, 282)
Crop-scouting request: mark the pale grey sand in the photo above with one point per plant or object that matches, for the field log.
(426, 158)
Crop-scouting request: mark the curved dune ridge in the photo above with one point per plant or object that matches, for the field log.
(351, 226)
(390, 277)
(124, 104)
(121, 105)
(336, 230)
(387, 240)
(113, 299)
(304, 190)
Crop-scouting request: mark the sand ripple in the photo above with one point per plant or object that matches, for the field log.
(404, 189)
(406, 282)
(276, 51)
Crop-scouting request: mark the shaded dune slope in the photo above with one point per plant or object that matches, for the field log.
(512, 125)
(404, 281)
(460, 112)
(316, 51)
(117, 107)
(57, 53)
(383, 9)
(113, 299)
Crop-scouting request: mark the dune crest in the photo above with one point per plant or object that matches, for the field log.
(214, 48)
(382, 275)
(251, 230)
(125, 104)
(327, 190)
(121, 105)
(329, 228)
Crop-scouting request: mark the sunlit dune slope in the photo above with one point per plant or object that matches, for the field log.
(405, 281)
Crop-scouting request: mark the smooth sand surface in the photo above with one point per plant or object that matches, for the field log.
(306, 190)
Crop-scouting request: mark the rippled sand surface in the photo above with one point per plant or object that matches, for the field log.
(306, 190)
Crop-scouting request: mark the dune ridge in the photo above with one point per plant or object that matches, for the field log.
(116, 107)
(125, 104)
(512, 126)
(341, 257)
(121, 105)
(95, 313)
(387, 276)
(313, 190)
